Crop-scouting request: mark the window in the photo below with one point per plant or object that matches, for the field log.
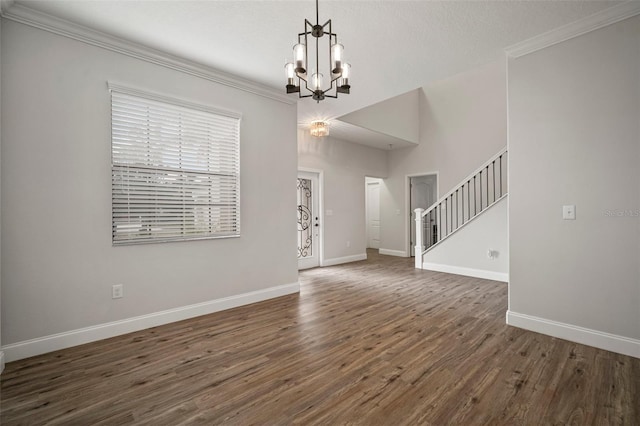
(175, 169)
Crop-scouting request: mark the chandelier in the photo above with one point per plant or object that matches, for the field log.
(298, 70)
(319, 129)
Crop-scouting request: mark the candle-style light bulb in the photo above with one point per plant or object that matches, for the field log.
(346, 73)
(316, 81)
(299, 56)
(336, 55)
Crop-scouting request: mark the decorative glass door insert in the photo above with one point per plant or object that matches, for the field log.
(309, 235)
(305, 218)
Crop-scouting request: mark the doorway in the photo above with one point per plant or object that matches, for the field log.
(372, 196)
(308, 201)
(423, 192)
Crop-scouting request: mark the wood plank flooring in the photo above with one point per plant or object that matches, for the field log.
(373, 343)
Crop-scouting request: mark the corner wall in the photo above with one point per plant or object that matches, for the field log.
(1, 352)
(465, 252)
(345, 166)
(58, 263)
(463, 123)
(574, 138)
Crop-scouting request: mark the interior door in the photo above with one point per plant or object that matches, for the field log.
(308, 220)
(373, 215)
(422, 194)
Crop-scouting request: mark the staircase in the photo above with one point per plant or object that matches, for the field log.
(470, 198)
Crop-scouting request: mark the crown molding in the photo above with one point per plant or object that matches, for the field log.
(25, 15)
(590, 23)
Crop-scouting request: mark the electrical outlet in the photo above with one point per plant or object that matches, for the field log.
(348, 243)
(117, 291)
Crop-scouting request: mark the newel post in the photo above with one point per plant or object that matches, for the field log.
(418, 247)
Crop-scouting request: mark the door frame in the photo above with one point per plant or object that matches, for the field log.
(407, 199)
(320, 174)
(366, 206)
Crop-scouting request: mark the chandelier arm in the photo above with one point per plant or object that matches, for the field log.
(317, 60)
(331, 87)
(309, 24)
(306, 48)
(330, 62)
(306, 84)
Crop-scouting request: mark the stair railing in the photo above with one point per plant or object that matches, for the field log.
(473, 195)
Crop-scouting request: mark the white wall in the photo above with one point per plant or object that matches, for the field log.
(465, 252)
(462, 125)
(345, 166)
(398, 116)
(574, 138)
(58, 264)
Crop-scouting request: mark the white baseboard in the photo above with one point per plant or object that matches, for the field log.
(389, 252)
(345, 259)
(573, 333)
(1, 362)
(41, 345)
(469, 272)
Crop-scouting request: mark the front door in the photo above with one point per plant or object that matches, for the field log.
(308, 220)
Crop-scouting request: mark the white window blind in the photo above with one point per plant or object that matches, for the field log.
(175, 170)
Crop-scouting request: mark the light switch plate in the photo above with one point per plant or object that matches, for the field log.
(328, 212)
(569, 212)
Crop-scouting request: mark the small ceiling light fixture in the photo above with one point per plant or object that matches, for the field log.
(338, 70)
(319, 129)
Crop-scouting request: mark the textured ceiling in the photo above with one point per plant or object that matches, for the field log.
(393, 46)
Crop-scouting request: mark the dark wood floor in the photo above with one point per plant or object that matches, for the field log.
(374, 342)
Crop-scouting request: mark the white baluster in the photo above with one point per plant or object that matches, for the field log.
(419, 246)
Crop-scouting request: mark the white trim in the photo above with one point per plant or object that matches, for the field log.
(407, 199)
(367, 183)
(469, 272)
(1, 361)
(389, 252)
(345, 259)
(25, 15)
(599, 339)
(598, 20)
(506, 83)
(41, 345)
